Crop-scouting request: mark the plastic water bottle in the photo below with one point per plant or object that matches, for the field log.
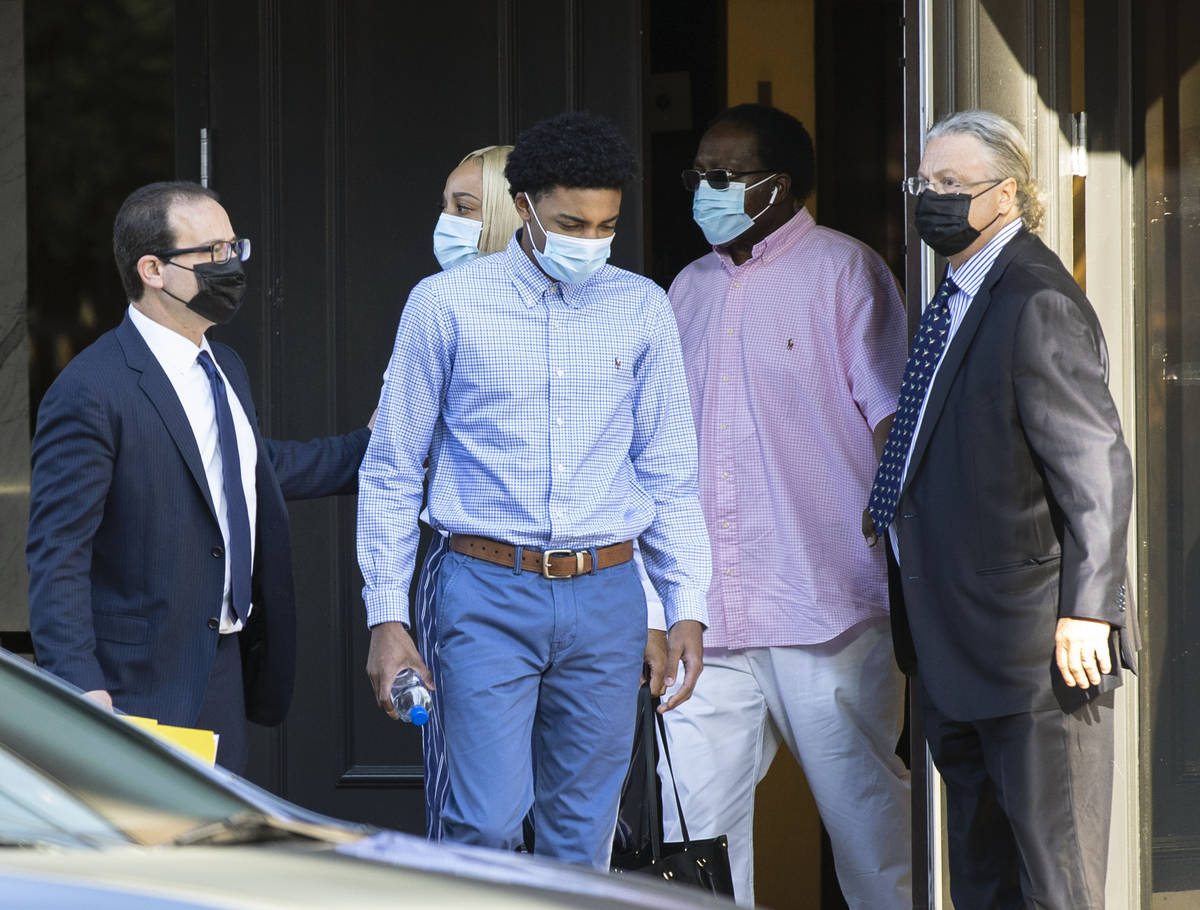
(411, 698)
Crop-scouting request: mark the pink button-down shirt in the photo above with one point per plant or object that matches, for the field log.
(792, 359)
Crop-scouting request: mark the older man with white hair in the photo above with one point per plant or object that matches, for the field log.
(1005, 489)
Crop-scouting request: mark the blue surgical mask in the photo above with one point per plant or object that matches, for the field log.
(570, 259)
(721, 214)
(456, 239)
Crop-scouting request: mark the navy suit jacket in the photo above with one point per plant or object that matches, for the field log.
(126, 559)
(1017, 499)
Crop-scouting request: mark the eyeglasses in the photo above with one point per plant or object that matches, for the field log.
(915, 186)
(718, 178)
(221, 251)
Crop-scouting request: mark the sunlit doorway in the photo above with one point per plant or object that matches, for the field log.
(1168, 79)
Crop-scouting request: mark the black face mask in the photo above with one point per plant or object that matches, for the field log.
(219, 289)
(942, 220)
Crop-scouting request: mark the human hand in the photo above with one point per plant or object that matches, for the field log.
(1081, 651)
(656, 661)
(391, 651)
(100, 697)
(868, 528)
(685, 642)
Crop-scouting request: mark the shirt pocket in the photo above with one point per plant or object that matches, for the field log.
(612, 371)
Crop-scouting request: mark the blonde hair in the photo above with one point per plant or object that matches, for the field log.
(500, 218)
(1009, 155)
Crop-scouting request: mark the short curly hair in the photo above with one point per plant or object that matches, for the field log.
(573, 150)
(784, 145)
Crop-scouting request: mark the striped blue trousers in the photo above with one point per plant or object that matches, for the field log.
(437, 775)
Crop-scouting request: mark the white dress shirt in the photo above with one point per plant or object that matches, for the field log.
(177, 356)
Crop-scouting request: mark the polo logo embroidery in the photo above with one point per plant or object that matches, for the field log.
(616, 363)
(789, 344)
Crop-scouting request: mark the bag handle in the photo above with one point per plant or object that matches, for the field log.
(650, 800)
(662, 728)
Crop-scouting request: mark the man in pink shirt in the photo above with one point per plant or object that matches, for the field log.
(794, 342)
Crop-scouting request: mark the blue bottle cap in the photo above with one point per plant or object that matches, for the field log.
(418, 715)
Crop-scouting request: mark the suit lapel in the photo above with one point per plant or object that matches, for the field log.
(157, 387)
(956, 352)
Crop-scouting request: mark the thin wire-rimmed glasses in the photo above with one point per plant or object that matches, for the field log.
(915, 186)
(221, 250)
(718, 178)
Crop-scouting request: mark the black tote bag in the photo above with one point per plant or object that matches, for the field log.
(638, 845)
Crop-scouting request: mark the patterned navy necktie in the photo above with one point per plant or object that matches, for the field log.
(235, 495)
(923, 359)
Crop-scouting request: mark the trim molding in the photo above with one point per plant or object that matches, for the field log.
(396, 777)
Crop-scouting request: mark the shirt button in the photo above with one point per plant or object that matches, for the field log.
(724, 475)
(560, 372)
(558, 514)
(561, 468)
(724, 379)
(724, 524)
(218, 552)
(724, 426)
(729, 571)
(729, 331)
(558, 421)
(214, 623)
(737, 284)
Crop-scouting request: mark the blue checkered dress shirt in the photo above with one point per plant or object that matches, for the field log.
(553, 415)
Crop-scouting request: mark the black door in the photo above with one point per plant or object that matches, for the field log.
(331, 126)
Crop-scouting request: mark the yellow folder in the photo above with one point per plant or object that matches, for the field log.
(201, 743)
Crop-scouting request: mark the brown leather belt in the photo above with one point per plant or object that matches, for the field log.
(551, 563)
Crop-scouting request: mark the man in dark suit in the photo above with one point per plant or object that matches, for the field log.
(160, 578)
(1006, 487)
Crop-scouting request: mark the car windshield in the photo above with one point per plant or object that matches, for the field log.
(100, 774)
(35, 811)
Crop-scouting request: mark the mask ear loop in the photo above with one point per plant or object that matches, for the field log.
(770, 202)
(545, 236)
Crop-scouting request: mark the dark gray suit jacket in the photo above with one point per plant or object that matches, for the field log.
(1017, 499)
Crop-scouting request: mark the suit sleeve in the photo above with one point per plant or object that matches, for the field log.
(73, 457)
(1060, 377)
(319, 467)
(305, 470)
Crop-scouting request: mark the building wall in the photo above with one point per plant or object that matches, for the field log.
(14, 340)
(772, 41)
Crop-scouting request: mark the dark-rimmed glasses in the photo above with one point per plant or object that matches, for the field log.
(221, 251)
(718, 178)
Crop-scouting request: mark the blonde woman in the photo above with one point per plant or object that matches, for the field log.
(478, 216)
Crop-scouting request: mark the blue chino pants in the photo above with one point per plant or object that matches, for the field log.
(538, 690)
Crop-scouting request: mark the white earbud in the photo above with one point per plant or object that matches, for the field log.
(774, 193)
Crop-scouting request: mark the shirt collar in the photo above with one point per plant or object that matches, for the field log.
(775, 242)
(968, 277)
(174, 353)
(532, 283)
